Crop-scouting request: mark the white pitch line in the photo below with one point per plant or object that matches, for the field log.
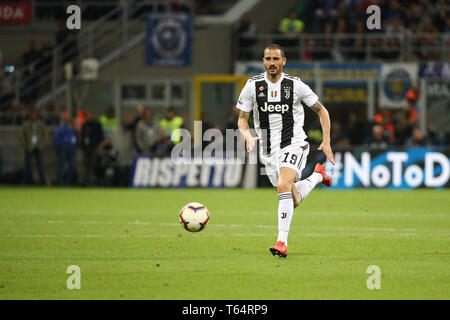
(207, 235)
(361, 213)
(220, 225)
(122, 236)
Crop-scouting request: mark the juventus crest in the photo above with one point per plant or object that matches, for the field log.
(287, 92)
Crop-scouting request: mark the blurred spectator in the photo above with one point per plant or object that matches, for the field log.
(342, 10)
(30, 55)
(413, 15)
(66, 41)
(51, 117)
(324, 46)
(45, 54)
(91, 137)
(324, 11)
(342, 53)
(44, 12)
(358, 129)
(378, 42)
(436, 135)
(132, 125)
(412, 96)
(80, 119)
(429, 40)
(355, 11)
(172, 124)
(417, 139)
(447, 35)
(291, 27)
(308, 51)
(30, 60)
(338, 136)
(359, 43)
(146, 132)
(246, 31)
(384, 119)
(8, 79)
(216, 7)
(70, 52)
(62, 34)
(395, 33)
(366, 3)
(427, 8)
(402, 129)
(441, 14)
(232, 119)
(107, 167)
(303, 10)
(181, 5)
(378, 139)
(44, 65)
(7, 82)
(33, 138)
(412, 22)
(231, 124)
(30, 106)
(162, 147)
(65, 139)
(394, 10)
(108, 119)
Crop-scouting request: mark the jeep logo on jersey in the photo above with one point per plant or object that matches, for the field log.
(282, 108)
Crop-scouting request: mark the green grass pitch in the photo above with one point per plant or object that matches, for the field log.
(129, 245)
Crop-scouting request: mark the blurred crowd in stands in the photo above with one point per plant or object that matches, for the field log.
(89, 134)
(36, 65)
(388, 128)
(338, 18)
(95, 9)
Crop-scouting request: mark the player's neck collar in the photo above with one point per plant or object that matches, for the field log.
(269, 81)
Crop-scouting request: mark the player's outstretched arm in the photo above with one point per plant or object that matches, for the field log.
(324, 117)
(250, 141)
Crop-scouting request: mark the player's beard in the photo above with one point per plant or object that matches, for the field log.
(270, 71)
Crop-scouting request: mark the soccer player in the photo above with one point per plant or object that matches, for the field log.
(276, 101)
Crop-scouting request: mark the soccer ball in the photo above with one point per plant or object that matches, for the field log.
(194, 216)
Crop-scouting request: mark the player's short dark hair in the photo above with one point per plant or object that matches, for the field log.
(274, 46)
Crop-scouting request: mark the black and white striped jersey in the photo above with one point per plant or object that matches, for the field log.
(277, 109)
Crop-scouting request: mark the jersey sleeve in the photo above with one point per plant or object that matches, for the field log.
(247, 97)
(305, 93)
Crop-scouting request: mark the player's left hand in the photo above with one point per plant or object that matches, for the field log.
(251, 142)
(326, 149)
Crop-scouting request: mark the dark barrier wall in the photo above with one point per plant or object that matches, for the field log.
(163, 172)
(355, 168)
(393, 168)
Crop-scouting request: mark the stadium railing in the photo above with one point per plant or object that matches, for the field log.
(104, 39)
(342, 47)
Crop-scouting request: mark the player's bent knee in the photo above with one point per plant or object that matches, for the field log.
(284, 187)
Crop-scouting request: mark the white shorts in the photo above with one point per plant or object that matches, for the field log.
(292, 156)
